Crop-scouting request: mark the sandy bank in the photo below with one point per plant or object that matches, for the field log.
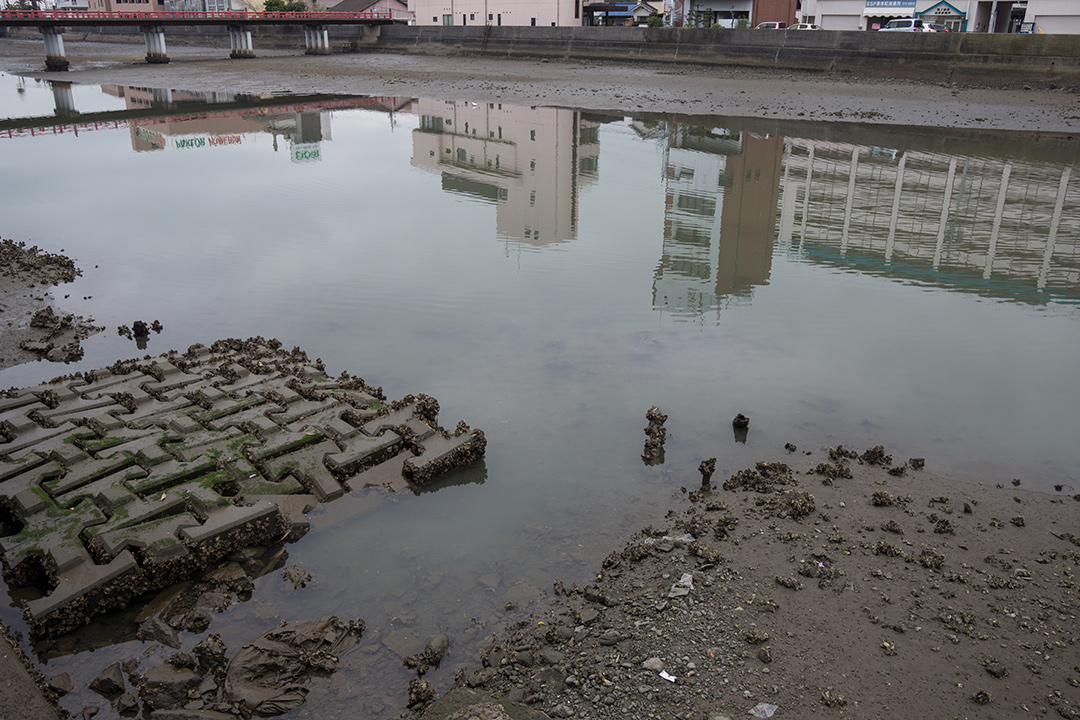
(609, 87)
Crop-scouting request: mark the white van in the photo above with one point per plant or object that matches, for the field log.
(906, 25)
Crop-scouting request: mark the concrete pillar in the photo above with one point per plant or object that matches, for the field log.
(806, 197)
(155, 44)
(944, 219)
(991, 251)
(853, 171)
(54, 48)
(890, 243)
(63, 99)
(1051, 240)
(240, 42)
(316, 40)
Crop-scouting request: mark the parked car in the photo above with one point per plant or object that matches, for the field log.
(938, 27)
(772, 26)
(803, 26)
(905, 25)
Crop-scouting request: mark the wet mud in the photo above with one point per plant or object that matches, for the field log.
(32, 329)
(847, 592)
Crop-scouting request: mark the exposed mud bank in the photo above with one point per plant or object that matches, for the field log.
(32, 329)
(620, 88)
(842, 586)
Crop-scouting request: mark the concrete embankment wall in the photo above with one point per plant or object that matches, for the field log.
(927, 56)
(943, 55)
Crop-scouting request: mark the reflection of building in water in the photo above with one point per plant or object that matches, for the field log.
(180, 126)
(529, 161)
(997, 227)
(720, 209)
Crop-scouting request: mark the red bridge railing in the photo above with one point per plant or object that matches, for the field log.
(238, 16)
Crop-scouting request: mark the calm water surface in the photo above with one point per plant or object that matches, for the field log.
(548, 275)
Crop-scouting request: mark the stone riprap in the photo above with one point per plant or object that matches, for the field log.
(120, 481)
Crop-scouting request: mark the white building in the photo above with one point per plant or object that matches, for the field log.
(539, 13)
(1000, 16)
(529, 162)
(1054, 16)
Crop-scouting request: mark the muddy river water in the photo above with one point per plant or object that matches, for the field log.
(549, 274)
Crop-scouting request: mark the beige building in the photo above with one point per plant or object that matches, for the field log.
(721, 193)
(529, 162)
(539, 13)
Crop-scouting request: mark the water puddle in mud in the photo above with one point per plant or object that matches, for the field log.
(548, 275)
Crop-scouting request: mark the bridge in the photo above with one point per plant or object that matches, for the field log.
(52, 24)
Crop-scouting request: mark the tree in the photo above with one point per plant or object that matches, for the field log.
(274, 5)
(655, 21)
(296, 6)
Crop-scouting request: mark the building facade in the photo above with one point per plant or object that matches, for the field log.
(539, 13)
(529, 162)
(998, 16)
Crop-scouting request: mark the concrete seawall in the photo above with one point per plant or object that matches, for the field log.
(942, 55)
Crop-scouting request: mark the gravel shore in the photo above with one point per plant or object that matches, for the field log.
(849, 585)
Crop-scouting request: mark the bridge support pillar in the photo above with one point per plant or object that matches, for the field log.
(240, 39)
(316, 40)
(54, 48)
(155, 44)
(63, 99)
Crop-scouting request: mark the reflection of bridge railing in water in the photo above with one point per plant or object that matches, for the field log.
(52, 23)
(111, 120)
(997, 227)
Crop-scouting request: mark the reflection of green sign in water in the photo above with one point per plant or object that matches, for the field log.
(306, 152)
(153, 139)
(193, 143)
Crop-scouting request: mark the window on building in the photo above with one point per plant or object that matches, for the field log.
(533, 22)
(472, 16)
(532, 134)
(447, 19)
(577, 9)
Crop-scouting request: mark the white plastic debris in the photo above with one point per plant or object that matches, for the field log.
(687, 580)
(763, 710)
(670, 678)
(678, 590)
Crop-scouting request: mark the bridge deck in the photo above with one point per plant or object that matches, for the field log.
(78, 18)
